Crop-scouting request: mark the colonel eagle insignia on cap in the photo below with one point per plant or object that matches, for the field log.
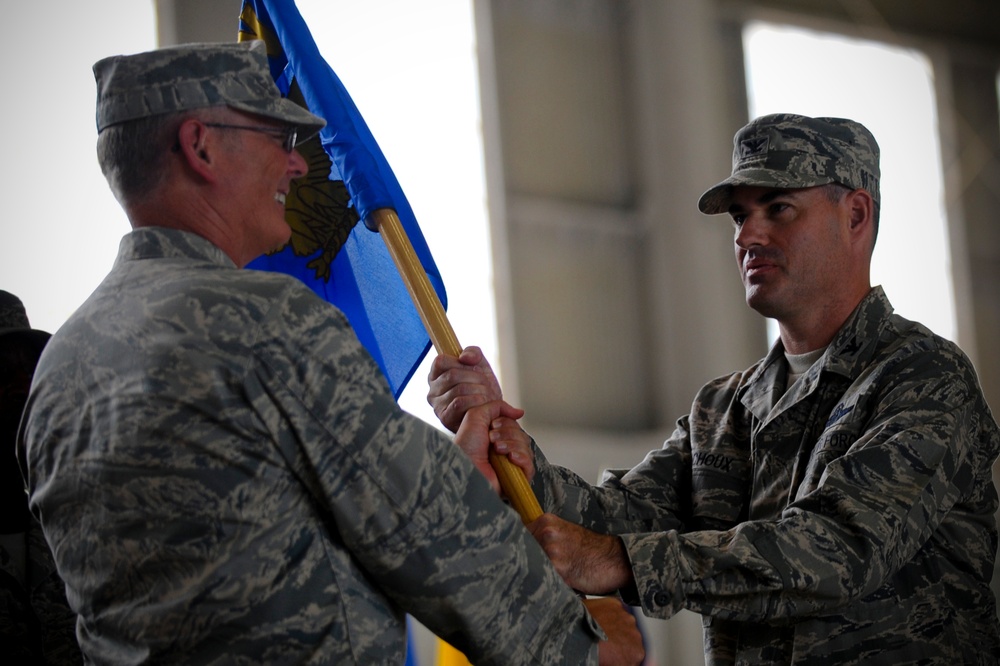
(753, 146)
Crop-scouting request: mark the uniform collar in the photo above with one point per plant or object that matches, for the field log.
(164, 243)
(853, 346)
(847, 354)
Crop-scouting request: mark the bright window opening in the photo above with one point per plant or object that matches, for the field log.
(61, 224)
(891, 91)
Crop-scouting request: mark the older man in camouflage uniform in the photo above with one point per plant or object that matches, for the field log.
(219, 466)
(831, 504)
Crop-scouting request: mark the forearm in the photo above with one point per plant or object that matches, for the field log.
(768, 569)
(461, 562)
(491, 592)
(610, 508)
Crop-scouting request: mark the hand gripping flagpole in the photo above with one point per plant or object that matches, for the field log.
(512, 480)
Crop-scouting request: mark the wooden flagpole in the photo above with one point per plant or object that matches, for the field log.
(512, 479)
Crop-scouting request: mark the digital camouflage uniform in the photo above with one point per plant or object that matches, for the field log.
(224, 477)
(848, 521)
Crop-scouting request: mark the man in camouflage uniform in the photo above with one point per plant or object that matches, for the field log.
(219, 467)
(831, 504)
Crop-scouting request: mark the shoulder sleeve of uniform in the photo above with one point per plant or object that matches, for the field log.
(405, 501)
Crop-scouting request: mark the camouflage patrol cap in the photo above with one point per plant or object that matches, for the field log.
(194, 76)
(790, 151)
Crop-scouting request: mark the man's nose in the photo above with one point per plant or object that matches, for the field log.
(297, 165)
(751, 232)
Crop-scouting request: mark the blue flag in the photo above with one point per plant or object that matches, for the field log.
(345, 263)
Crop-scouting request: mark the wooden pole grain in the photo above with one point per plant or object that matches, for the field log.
(512, 480)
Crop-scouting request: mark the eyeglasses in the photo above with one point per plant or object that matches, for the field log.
(289, 135)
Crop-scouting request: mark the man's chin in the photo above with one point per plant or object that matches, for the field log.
(286, 239)
(279, 247)
(760, 302)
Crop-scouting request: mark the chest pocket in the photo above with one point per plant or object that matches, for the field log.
(792, 450)
(831, 445)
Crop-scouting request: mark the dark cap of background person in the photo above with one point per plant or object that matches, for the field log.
(14, 325)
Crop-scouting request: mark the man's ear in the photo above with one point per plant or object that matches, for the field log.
(861, 212)
(196, 148)
(862, 209)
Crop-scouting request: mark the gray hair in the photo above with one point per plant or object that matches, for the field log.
(133, 155)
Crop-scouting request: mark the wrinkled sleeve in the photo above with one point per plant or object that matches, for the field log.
(873, 509)
(409, 506)
(653, 496)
